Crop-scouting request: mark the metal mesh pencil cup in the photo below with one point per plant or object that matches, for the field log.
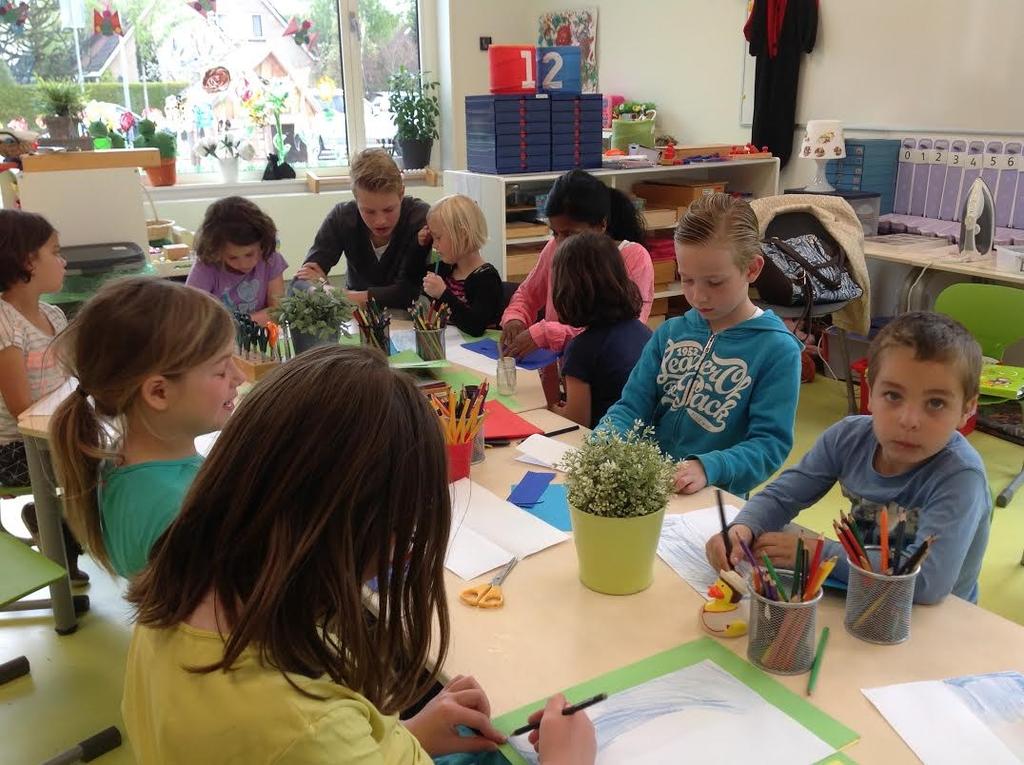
(878, 607)
(782, 634)
(378, 337)
(478, 442)
(430, 344)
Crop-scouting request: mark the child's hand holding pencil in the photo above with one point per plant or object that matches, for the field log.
(715, 547)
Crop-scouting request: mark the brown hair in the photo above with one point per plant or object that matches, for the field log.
(932, 337)
(721, 220)
(285, 539)
(590, 285)
(129, 330)
(375, 170)
(21, 235)
(237, 221)
(463, 221)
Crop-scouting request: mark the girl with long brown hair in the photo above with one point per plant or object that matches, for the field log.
(154, 366)
(253, 643)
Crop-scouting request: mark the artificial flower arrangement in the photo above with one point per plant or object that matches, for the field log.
(227, 147)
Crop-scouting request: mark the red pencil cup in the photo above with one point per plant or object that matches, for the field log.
(458, 460)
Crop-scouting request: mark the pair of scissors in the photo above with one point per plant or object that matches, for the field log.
(488, 594)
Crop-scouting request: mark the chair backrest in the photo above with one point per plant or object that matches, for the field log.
(23, 570)
(993, 313)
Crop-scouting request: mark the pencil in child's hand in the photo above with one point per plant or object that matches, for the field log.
(570, 710)
(725, 528)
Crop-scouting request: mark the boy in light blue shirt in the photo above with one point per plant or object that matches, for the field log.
(924, 370)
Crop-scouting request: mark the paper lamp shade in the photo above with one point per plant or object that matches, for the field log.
(823, 140)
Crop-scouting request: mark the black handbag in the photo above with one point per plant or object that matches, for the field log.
(801, 272)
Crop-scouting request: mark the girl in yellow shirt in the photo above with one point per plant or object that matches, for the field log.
(253, 644)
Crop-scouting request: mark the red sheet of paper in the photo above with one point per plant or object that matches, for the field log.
(502, 424)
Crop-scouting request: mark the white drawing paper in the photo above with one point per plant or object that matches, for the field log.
(487, 531)
(974, 718)
(681, 546)
(543, 451)
(694, 714)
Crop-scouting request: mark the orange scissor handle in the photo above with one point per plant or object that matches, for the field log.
(483, 596)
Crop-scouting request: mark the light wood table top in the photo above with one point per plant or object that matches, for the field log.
(554, 633)
(941, 258)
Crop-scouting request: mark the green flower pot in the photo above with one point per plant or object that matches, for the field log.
(616, 555)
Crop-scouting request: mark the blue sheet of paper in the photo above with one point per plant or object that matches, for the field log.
(553, 507)
(530, 488)
(537, 359)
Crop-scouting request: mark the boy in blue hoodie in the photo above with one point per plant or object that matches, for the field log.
(720, 383)
(924, 370)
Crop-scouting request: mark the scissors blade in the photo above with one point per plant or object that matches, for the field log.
(506, 569)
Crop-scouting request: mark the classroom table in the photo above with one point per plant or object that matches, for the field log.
(922, 257)
(34, 424)
(554, 633)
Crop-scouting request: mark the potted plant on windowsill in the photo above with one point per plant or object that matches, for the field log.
(314, 316)
(413, 105)
(227, 151)
(64, 108)
(618, 487)
(166, 142)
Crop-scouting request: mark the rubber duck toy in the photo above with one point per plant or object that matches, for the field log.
(726, 614)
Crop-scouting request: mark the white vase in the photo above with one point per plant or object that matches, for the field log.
(229, 169)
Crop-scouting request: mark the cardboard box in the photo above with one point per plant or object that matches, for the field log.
(675, 194)
(664, 271)
(660, 217)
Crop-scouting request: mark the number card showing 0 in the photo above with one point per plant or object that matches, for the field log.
(559, 69)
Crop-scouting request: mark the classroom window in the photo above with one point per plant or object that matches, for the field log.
(204, 74)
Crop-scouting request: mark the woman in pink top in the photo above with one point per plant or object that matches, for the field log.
(577, 202)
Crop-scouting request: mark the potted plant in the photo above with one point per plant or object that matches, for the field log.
(227, 151)
(413, 105)
(618, 487)
(315, 316)
(166, 142)
(64, 108)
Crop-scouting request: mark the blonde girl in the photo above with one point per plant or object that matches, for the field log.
(462, 280)
(154, 366)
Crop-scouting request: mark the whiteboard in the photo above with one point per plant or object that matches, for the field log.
(912, 65)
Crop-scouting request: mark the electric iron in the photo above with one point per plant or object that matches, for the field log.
(977, 222)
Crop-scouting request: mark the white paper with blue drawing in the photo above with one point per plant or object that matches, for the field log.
(694, 715)
(681, 546)
(975, 718)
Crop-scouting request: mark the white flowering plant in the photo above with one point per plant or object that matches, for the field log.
(619, 475)
(226, 147)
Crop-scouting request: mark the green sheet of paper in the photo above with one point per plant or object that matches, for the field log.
(410, 360)
(829, 730)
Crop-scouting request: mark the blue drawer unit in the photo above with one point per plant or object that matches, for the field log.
(508, 133)
(869, 165)
(576, 130)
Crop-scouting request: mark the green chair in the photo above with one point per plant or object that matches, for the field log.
(994, 314)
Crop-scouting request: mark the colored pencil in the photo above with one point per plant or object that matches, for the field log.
(775, 577)
(901, 531)
(883, 540)
(816, 664)
(725, 527)
(798, 571)
(919, 555)
(571, 710)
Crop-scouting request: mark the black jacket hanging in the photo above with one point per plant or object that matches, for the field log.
(779, 33)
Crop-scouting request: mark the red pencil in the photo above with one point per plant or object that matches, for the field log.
(883, 539)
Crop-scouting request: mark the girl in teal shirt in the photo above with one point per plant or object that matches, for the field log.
(154, 366)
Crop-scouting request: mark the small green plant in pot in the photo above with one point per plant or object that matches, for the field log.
(315, 316)
(618, 486)
(166, 143)
(63, 104)
(413, 105)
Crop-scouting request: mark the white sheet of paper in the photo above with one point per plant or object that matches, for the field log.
(976, 718)
(467, 358)
(505, 526)
(541, 450)
(205, 442)
(403, 339)
(681, 546)
(470, 554)
(690, 715)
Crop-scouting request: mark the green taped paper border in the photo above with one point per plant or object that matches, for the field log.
(828, 729)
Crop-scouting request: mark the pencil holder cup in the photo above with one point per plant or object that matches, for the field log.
(782, 634)
(477, 455)
(459, 460)
(506, 375)
(378, 337)
(878, 607)
(430, 344)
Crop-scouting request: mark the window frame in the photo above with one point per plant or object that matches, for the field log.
(355, 123)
